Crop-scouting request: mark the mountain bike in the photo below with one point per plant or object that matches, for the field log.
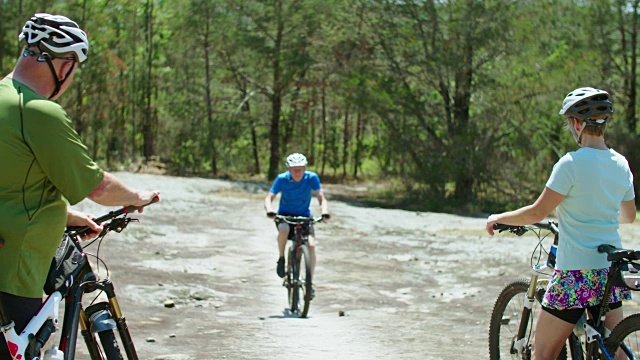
(512, 325)
(297, 278)
(70, 277)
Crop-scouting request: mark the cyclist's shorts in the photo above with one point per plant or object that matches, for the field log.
(573, 315)
(580, 289)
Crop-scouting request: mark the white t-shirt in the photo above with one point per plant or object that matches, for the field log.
(595, 182)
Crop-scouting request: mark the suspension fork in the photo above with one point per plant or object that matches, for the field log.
(530, 298)
(89, 340)
(121, 323)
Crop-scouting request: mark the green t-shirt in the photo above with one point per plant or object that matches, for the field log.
(43, 163)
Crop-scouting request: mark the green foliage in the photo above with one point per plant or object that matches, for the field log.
(453, 102)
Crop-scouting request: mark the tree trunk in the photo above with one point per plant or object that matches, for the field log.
(274, 137)
(147, 126)
(346, 135)
(630, 108)
(323, 120)
(208, 100)
(358, 149)
(276, 99)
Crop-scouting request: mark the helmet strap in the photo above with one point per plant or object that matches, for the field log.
(58, 81)
(45, 57)
(577, 134)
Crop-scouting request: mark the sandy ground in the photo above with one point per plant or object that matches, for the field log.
(412, 285)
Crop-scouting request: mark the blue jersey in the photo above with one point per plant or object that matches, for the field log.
(296, 196)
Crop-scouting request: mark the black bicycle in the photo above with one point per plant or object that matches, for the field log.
(512, 325)
(297, 279)
(70, 277)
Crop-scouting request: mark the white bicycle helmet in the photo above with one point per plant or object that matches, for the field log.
(296, 159)
(590, 106)
(587, 103)
(56, 35)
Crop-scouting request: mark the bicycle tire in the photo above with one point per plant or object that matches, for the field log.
(292, 287)
(627, 332)
(304, 278)
(503, 330)
(110, 345)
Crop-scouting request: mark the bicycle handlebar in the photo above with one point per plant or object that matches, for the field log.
(521, 230)
(294, 220)
(80, 230)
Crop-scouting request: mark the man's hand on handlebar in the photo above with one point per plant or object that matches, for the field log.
(271, 214)
(146, 198)
(79, 219)
(326, 217)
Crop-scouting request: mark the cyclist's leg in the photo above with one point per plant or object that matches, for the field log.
(551, 335)
(20, 310)
(614, 317)
(283, 236)
(312, 249)
(312, 253)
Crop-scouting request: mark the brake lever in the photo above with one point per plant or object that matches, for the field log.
(119, 224)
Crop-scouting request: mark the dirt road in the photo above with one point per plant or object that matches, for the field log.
(411, 285)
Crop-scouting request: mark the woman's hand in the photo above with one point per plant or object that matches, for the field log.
(491, 220)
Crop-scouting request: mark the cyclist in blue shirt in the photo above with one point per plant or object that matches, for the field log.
(296, 186)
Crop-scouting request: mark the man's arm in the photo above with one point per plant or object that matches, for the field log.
(112, 192)
(268, 201)
(322, 200)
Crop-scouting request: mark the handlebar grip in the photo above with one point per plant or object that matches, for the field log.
(515, 229)
(326, 216)
(502, 227)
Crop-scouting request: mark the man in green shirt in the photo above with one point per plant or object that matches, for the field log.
(45, 166)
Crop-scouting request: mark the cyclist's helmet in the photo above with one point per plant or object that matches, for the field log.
(56, 35)
(296, 159)
(586, 104)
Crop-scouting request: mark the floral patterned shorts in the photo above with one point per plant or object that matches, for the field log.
(572, 289)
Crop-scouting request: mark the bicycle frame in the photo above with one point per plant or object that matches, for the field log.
(48, 313)
(596, 333)
(594, 330)
(299, 238)
(96, 318)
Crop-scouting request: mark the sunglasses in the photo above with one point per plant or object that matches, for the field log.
(42, 57)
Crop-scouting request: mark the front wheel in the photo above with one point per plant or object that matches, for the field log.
(508, 315)
(304, 279)
(110, 345)
(299, 281)
(626, 338)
